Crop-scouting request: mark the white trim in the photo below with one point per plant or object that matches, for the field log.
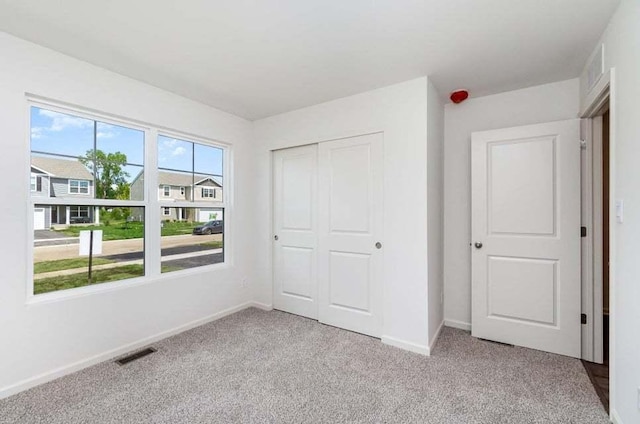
(113, 353)
(461, 325)
(597, 97)
(434, 339)
(79, 181)
(262, 306)
(405, 345)
(208, 189)
(592, 105)
(614, 417)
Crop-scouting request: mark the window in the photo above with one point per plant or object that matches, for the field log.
(198, 166)
(78, 187)
(79, 211)
(101, 163)
(36, 183)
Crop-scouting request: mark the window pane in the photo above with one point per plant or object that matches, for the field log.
(59, 133)
(83, 157)
(58, 263)
(174, 154)
(191, 237)
(192, 171)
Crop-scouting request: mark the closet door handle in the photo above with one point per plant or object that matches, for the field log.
(378, 245)
(275, 237)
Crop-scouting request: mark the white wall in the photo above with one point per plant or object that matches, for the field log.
(622, 52)
(40, 339)
(435, 209)
(400, 111)
(545, 103)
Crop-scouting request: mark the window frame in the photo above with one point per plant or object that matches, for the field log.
(183, 191)
(151, 203)
(164, 188)
(78, 215)
(166, 209)
(210, 190)
(79, 192)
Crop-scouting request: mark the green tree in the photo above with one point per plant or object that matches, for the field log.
(108, 171)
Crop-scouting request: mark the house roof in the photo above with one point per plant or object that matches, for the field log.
(61, 168)
(184, 180)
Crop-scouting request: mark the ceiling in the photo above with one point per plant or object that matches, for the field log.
(263, 57)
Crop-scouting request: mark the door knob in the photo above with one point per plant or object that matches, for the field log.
(478, 245)
(378, 245)
(275, 238)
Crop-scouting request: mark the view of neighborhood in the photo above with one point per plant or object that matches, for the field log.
(75, 161)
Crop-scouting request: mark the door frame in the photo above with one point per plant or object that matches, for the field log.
(595, 103)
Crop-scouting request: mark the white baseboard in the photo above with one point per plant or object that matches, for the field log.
(466, 326)
(262, 306)
(615, 418)
(434, 339)
(101, 357)
(410, 346)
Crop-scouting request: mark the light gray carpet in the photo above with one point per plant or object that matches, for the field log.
(272, 367)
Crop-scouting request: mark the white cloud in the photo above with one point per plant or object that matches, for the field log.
(178, 151)
(60, 121)
(169, 143)
(36, 132)
(105, 134)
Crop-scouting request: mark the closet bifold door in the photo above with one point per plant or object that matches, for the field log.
(294, 235)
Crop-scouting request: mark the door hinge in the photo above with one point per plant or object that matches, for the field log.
(583, 145)
(583, 318)
(583, 231)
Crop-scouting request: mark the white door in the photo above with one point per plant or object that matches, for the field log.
(295, 230)
(38, 219)
(349, 226)
(526, 236)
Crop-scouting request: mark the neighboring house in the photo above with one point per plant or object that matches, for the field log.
(176, 187)
(60, 178)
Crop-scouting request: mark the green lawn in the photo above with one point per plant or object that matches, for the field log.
(216, 244)
(122, 230)
(61, 264)
(64, 282)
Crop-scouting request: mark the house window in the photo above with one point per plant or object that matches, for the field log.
(200, 166)
(102, 163)
(79, 211)
(182, 191)
(166, 191)
(78, 187)
(36, 183)
(166, 211)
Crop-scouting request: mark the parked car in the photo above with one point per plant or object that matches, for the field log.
(211, 227)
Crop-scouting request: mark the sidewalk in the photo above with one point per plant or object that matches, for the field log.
(119, 264)
(115, 247)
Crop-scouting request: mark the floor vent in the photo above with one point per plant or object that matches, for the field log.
(498, 343)
(134, 356)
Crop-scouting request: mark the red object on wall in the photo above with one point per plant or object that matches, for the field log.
(459, 96)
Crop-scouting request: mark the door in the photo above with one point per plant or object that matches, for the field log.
(38, 219)
(295, 230)
(526, 236)
(349, 228)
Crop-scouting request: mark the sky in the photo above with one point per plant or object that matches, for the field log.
(58, 133)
